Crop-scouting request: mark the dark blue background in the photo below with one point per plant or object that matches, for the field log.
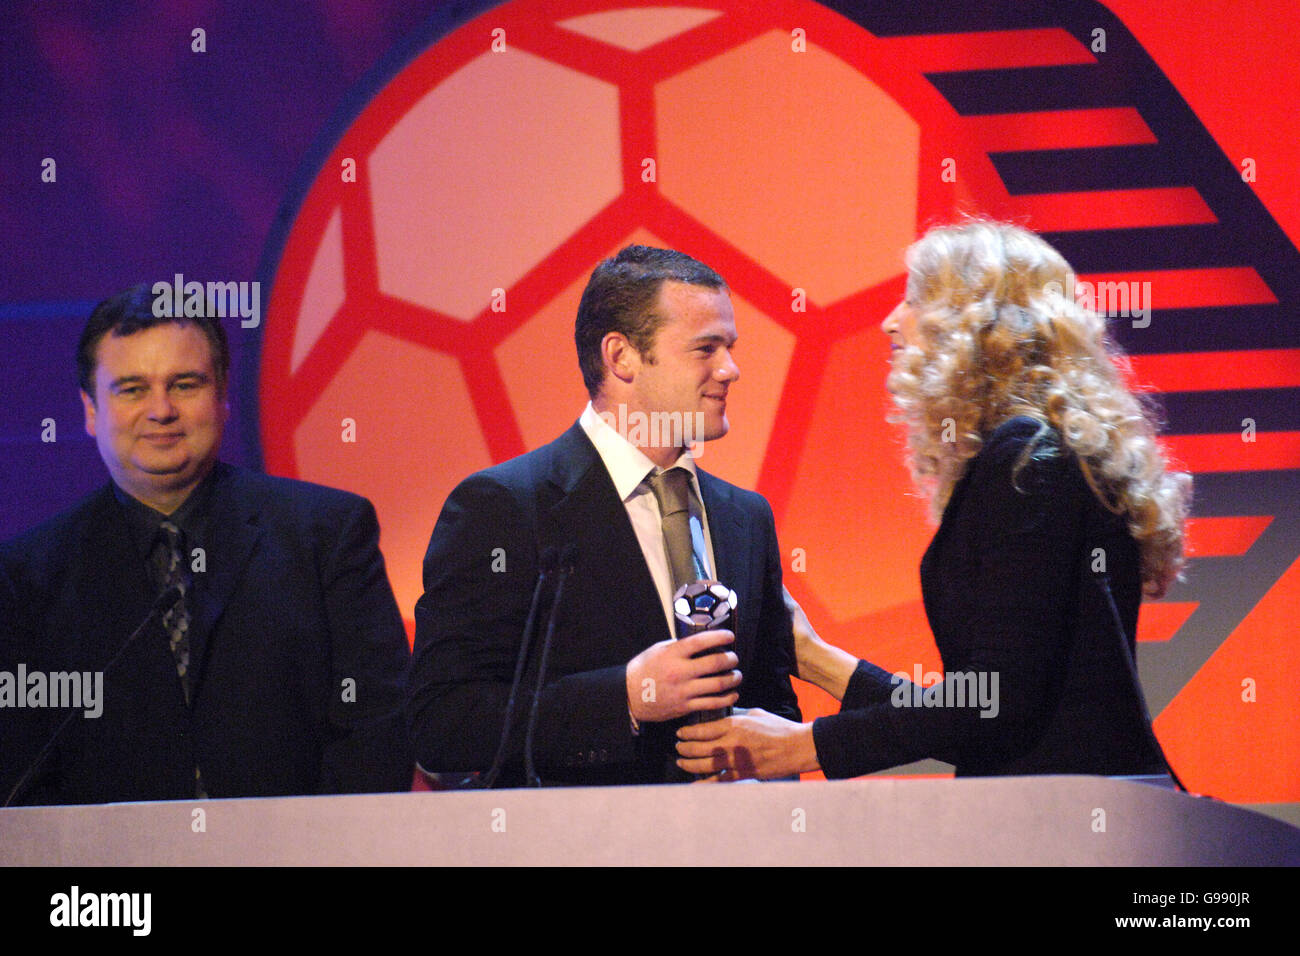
(167, 161)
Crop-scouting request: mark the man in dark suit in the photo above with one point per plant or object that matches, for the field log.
(654, 331)
(244, 627)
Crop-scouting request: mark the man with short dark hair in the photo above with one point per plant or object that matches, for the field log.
(654, 333)
(246, 634)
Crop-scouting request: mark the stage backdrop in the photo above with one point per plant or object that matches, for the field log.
(420, 281)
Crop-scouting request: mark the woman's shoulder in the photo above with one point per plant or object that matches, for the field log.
(1018, 433)
(1028, 454)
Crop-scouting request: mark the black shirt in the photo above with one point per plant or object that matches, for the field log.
(143, 522)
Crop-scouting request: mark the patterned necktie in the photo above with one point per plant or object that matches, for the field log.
(176, 619)
(672, 489)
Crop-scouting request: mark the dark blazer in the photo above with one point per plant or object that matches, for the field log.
(479, 576)
(293, 604)
(1031, 578)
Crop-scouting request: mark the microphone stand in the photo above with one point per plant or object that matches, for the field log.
(547, 565)
(567, 562)
(163, 602)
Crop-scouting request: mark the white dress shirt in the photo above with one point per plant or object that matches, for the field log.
(629, 468)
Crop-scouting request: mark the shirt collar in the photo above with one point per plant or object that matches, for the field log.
(627, 465)
(144, 521)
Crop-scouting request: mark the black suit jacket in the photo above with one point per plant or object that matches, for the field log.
(1031, 578)
(479, 576)
(297, 651)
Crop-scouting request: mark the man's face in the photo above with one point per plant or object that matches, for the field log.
(158, 411)
(689, 368)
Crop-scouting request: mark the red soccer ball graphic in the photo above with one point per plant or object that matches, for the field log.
(420, 326)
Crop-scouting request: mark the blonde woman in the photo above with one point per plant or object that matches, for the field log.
(1056, 514)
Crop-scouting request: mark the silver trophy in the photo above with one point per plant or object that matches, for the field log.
(704, 606)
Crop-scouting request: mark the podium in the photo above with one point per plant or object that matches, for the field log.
(1052, 820)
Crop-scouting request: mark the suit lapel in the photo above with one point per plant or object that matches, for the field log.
(587, 512)
(732, 551)
(232, 537)
(110, 583)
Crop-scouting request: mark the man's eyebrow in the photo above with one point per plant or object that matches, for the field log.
(715, 337)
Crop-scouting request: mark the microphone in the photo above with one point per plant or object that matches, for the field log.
(704, 606)
(568, 560)
(546, 564)
(161, 604)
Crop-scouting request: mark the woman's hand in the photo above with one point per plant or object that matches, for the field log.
(749, 744)
(819, 663)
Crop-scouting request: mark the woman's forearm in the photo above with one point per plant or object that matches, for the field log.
(817, 662)
(827, 666)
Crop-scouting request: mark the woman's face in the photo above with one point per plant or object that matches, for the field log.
(900, 326)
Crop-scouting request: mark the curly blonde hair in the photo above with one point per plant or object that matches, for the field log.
(1000, 336)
